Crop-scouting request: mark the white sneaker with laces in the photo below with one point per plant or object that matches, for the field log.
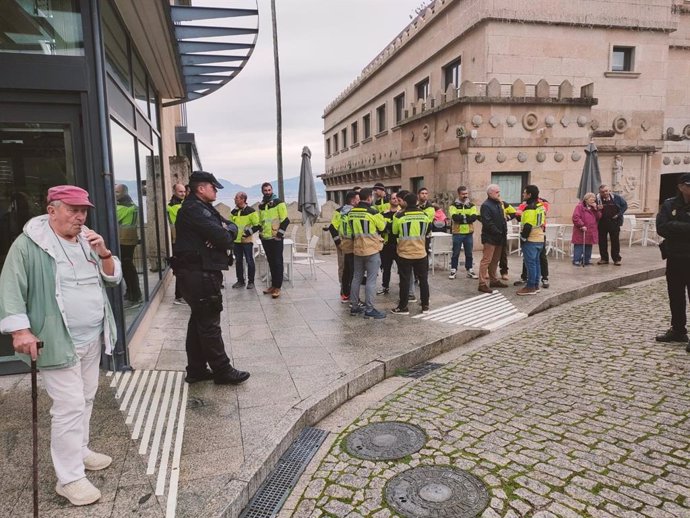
(79, 492)
(179, 301)
(471, 274)
(453, 273)
(97, 461)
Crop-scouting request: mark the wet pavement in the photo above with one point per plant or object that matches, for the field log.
(307, 357)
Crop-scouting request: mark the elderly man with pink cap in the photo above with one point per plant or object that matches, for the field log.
(53, 287)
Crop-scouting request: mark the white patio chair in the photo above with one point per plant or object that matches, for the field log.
(551, 243)
(308, 256)
(565, 239)
(513, 235)
(441, 245)
(631, 226)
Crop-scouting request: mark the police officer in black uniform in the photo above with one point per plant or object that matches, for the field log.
(673, 224)
(200, 255)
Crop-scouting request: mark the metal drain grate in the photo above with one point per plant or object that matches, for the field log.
(271, 496)
(421, 369)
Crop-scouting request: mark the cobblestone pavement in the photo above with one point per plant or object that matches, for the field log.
(583, 415)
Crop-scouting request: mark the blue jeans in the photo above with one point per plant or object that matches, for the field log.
(531, 251)
(244, 251)
(578, 254)
(369, 264)
(460, 240)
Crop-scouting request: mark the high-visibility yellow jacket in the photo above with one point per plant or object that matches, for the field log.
(428, 210)
(340, 229)
(387, 235)
(274, 218)
(532, 222)
(366, 224)
(247, 221)
(411, 227)
(127, 214)
(382, 204)
(462, 217)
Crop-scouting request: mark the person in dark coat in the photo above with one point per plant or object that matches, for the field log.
(494, 233)
(200, 256)
(673, 224)
(612, 207)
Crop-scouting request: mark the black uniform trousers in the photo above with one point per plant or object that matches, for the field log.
(609, 228)
(678, 285)
(274, 256)
(204, 345)
(420, 268)
(389, 254)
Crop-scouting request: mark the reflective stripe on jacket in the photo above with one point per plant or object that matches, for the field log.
(247, 221)
(462, 217)
(410, 229)
(274, 218)
(532, 221)
(366, 224)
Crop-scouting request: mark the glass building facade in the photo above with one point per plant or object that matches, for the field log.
(79, 106)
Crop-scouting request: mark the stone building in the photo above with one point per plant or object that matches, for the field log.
(511, 92)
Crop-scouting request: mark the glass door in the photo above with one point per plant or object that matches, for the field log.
(40, 146)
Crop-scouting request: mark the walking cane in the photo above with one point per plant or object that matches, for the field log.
(34, 416)
(584, 244)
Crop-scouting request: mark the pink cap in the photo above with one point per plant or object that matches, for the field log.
(69, 194)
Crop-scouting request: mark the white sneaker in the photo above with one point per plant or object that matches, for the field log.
(453, 273)
(471, 274)
(97, 461)
(179, 301)
(79, 492)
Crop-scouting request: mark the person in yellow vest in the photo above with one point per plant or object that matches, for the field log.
(462, 214)
(389, 253)
(381, 199)
(342, 237)
(532, 238)
(410, 228)
(366, 224)
(509, 212)
(247, 221)
(178, 196)
(274, 223)
(127, 214)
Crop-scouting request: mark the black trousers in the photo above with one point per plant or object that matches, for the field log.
(543, 264)
(274, 256)
(678, 285)
(420, 267)
(348, 272)
(129, 273)
(204, 345)
(244, 251)
(609, 229)
(389, 254)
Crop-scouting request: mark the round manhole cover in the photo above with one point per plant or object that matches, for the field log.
(440, 492)
(385, 441)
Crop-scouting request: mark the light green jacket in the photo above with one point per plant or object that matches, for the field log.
(31, 296)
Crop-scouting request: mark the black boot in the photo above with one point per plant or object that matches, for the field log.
(197, 377)
(672, 336)
(231, 377)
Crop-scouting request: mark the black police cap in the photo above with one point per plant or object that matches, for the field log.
(203, 176)
(684, 178)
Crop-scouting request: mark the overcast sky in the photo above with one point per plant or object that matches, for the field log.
(323, 46)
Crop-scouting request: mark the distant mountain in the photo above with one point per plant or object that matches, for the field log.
(291, 185)
(227, 194)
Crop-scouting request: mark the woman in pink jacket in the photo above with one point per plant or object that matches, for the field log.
(585, 233)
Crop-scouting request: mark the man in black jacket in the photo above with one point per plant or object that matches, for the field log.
(673, 224)
(494, 233)
(200, 256)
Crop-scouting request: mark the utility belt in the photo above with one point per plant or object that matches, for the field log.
(185, 261)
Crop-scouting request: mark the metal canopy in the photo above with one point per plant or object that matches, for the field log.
(212, 55)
